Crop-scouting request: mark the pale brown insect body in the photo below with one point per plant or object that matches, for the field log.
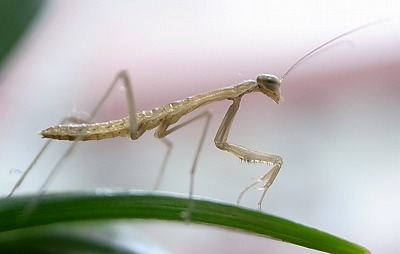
(166, 120)
(161, 116)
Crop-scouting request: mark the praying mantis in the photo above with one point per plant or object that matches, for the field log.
(165, 120)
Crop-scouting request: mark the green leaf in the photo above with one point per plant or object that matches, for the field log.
(15, 214)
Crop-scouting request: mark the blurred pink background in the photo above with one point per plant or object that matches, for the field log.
(337, 128)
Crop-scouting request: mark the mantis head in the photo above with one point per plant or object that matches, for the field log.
(270, 85)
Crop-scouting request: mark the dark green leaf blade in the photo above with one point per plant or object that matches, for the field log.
(113, 204)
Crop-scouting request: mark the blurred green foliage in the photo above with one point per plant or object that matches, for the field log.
(16, 17)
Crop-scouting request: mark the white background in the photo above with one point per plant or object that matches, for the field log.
(337, 128)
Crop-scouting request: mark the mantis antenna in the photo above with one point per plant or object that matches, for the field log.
(327, 43)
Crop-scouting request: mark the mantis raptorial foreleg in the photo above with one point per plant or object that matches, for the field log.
(245, 153)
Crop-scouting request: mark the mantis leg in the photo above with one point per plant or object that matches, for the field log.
(133, 125)
(246, 154)
(163, 131)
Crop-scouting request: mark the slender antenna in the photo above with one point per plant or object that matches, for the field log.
(330, 41)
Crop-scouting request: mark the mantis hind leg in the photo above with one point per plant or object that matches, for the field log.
(40, 153)
(133, 129)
